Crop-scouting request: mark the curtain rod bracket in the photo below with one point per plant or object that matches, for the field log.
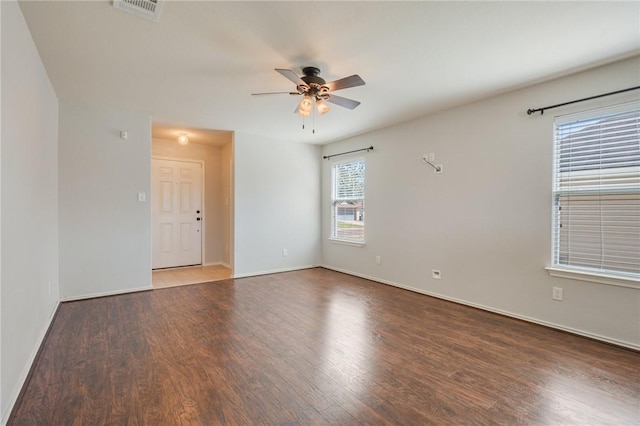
(437, 168)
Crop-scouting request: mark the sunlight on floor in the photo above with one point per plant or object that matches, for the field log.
(163, 278)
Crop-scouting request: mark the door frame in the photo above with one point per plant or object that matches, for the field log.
(202, 197)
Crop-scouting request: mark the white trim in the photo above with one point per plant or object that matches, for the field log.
(347, 242)
(25, 372)
(571, 330)
(596, 112)
(594, 277)
(273, 271)
(184, 160)
(347, 158)
(106, 293)
(333, 164)
(600, 183)
(203, 222)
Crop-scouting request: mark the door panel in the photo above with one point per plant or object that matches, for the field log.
(185, 197)
(166, 197)
(176, 197)
(166, 238)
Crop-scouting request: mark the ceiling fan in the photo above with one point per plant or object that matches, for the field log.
(312, 88)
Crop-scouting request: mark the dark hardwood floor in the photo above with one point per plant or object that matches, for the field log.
(317, 347)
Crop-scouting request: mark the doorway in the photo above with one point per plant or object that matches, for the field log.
(213, 150)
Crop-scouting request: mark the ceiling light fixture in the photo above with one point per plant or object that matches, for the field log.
(305, 106)
(183, 139)
(304, 113)
(323, 108)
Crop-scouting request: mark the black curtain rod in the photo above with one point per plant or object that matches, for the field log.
(541, 110)
(326, 157)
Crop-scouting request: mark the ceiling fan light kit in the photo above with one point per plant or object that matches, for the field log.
(305, 106)
(313, 87)
(322, 106)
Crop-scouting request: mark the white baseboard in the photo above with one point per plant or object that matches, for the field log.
(27, 368)
(579, 332)
(106, 293)
(273, 271)
(225, 264)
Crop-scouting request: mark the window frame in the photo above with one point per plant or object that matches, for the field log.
(333, 237)
(561, 270)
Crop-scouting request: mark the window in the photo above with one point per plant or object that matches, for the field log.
(596, 193)
(347, 201)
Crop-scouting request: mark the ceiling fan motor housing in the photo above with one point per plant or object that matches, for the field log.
(311, 76)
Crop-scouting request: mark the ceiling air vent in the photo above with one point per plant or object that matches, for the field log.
(147, 9)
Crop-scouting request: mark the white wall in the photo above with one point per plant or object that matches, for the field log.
(486, 221)
(277, 205)
(29, 227)
(215, 232)
(105, 232)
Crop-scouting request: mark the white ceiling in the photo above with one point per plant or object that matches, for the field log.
(197, 66)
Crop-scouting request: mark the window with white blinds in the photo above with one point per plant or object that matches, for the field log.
(596, 191)
(347, 201)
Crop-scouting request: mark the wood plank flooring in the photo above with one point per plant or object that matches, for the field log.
(317, 347)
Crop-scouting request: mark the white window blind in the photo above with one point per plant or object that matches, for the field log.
(596, 190)
(347, 206)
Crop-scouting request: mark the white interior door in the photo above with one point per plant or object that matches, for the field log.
(176, 213)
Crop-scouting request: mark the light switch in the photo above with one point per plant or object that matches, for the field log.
(142, 197)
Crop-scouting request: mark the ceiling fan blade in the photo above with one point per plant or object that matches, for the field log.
(275, 93)
(292, 76)
(344, 83)
(343, 102)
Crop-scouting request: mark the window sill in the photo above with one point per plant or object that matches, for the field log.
(347, 242)
(594, 277)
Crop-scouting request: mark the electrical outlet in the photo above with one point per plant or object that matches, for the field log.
(432, 157)
(378, 260)
(285, 252)
(436, 274)
(557, 293)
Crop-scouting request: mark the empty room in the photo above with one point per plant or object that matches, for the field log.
(319, 212)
